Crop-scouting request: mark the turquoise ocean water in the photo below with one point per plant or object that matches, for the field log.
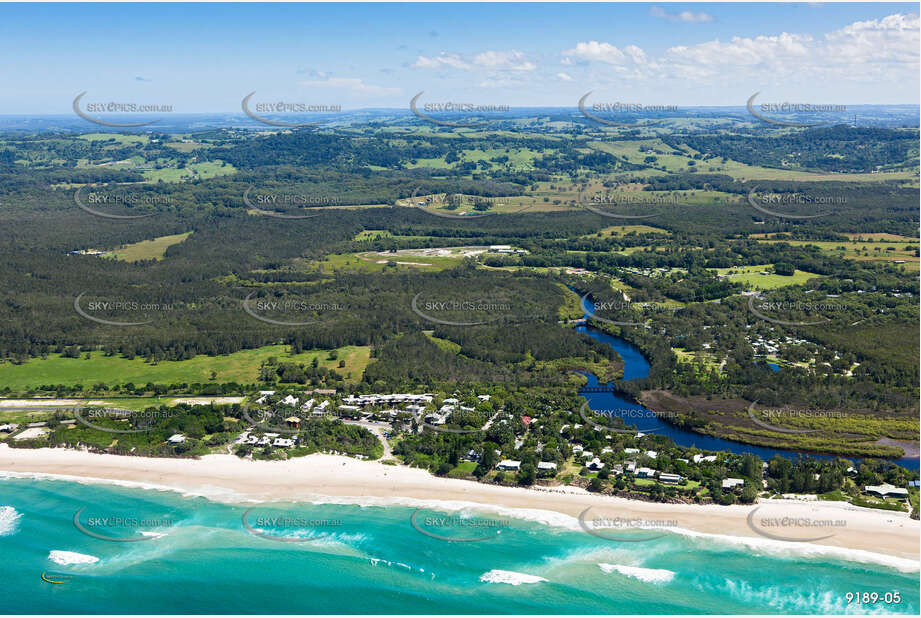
(372, 559)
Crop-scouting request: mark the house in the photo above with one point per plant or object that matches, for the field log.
(546, 465)
(607, 450)
(8, 428)
(595, 464)
(508, 464)
(290, 400)
(732, 483)
(651, 454)
(176, 438)
(587, 454)
(699, 458)
(887, 491)
(631, 451)
(617, 469)
(671, 479)
(577, 449)
(483, 397)
(283, 442)
(645, 473)
(293, 422)
(631, 467)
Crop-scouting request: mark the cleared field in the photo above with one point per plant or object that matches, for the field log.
(902, 252)
(118, 137)
(242, 366)
(753, 276)
(203, 170)
(373, 262)
(153, 249)
(623, 230)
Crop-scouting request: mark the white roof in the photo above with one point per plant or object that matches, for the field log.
(508, 463)
(546, 465)
(731, 482)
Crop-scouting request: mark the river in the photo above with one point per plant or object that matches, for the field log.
(636, 366)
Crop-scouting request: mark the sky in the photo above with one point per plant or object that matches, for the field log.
(207, 57)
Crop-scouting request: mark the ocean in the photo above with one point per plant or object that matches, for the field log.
(200, 555)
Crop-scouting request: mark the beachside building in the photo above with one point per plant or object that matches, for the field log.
(732, 483)
(887, 491)
(631, 451)
(546, 466)
(699, 458)
(671, 479)
(595, 464)
(293, 422)
(283, 442)
(645, 473)
(508, 464)
(652, 454)
(176, 438)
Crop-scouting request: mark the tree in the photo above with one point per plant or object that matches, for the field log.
(784, 268)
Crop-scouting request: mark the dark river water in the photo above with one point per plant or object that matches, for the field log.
(636, 366)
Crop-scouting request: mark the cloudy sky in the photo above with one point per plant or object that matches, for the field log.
(207, 57)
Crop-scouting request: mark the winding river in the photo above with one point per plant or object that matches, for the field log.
(636, 366)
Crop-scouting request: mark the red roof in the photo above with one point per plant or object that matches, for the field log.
(526, 420)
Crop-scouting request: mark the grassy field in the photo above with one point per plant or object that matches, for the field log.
(193, 171)
(623, 230)
(371, 262)
(751, 276)
(119, 138)
(148, 249)
(240, 366)
(883, 250)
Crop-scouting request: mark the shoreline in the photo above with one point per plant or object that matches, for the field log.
(866, 535)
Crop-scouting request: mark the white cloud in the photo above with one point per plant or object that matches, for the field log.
(594, 51)
(873, 51)
(564, 77)
(353, 85)
(685, 16)
(442, 60)
(511, 60)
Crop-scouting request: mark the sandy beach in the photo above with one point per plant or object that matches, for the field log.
(341, 479)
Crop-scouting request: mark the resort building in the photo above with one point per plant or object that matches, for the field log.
(887, 491)
(508, 464)
(731, 483)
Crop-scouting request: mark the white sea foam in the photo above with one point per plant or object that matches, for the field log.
(498, 576)
(653, 576)
(59, 556)
(9, 520)
(791, 549)
(548, 518)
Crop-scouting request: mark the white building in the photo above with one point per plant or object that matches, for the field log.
(508, 464)
(732, 483)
